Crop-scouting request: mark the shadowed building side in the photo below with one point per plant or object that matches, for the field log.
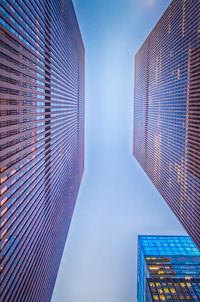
(42, 141)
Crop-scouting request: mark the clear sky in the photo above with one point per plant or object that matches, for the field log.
(116, 201)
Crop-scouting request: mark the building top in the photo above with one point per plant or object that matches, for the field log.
(168, 269)
(168, 246)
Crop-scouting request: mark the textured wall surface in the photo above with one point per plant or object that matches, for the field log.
(167, 110)
(42, 141)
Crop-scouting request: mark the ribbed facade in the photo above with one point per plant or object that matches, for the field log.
(168, 269)
(42, 141)
(167, 110)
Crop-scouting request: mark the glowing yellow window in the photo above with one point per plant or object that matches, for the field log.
(166, 290)
(173, 290)
(152, 284)
(3, 201)
(157, 284)
(162, 298)
(160, 291)
(155, 297)
(4, 190)
(188, 284)
(3, 178)
(153, 267)
(161, 272)
(3, 212)
(3, 234)
(182, 284)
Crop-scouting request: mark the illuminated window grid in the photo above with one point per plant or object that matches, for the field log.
(166, 111)
(173, 266)
(42, 132)
(174, 289)
(173, 258)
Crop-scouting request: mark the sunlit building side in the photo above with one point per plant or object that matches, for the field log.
(42, 141)
(168, 269)
(167, 110)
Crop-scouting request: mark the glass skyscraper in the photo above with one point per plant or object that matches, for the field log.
(167, 110)
(168, 269)
(42, 141)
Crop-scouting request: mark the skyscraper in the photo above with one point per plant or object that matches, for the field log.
(42, 141)
(168, 269)
(167, 110)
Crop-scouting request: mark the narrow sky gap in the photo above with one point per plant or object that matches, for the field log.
(116, 201)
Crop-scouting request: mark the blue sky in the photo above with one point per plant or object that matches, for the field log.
(116, 201)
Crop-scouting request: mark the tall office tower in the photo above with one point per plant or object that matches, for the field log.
(167, 110)
(42, 141)
(168, 269)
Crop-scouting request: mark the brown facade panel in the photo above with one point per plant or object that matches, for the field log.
(42, 141)
(166, 110)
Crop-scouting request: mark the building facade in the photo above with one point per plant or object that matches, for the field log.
(167, 110)
(42, 141)
(168, 269)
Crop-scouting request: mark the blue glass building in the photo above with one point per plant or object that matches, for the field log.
(168, 269)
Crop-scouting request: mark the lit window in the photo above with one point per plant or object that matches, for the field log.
(3, 201)
(3, 179)
(13, 171)
(3, 234)
(153, 267)
(3, 169)
(155, 297)
(3, 190)
(3, 212)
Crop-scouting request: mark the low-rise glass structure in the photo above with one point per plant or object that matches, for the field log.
(168, 269)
